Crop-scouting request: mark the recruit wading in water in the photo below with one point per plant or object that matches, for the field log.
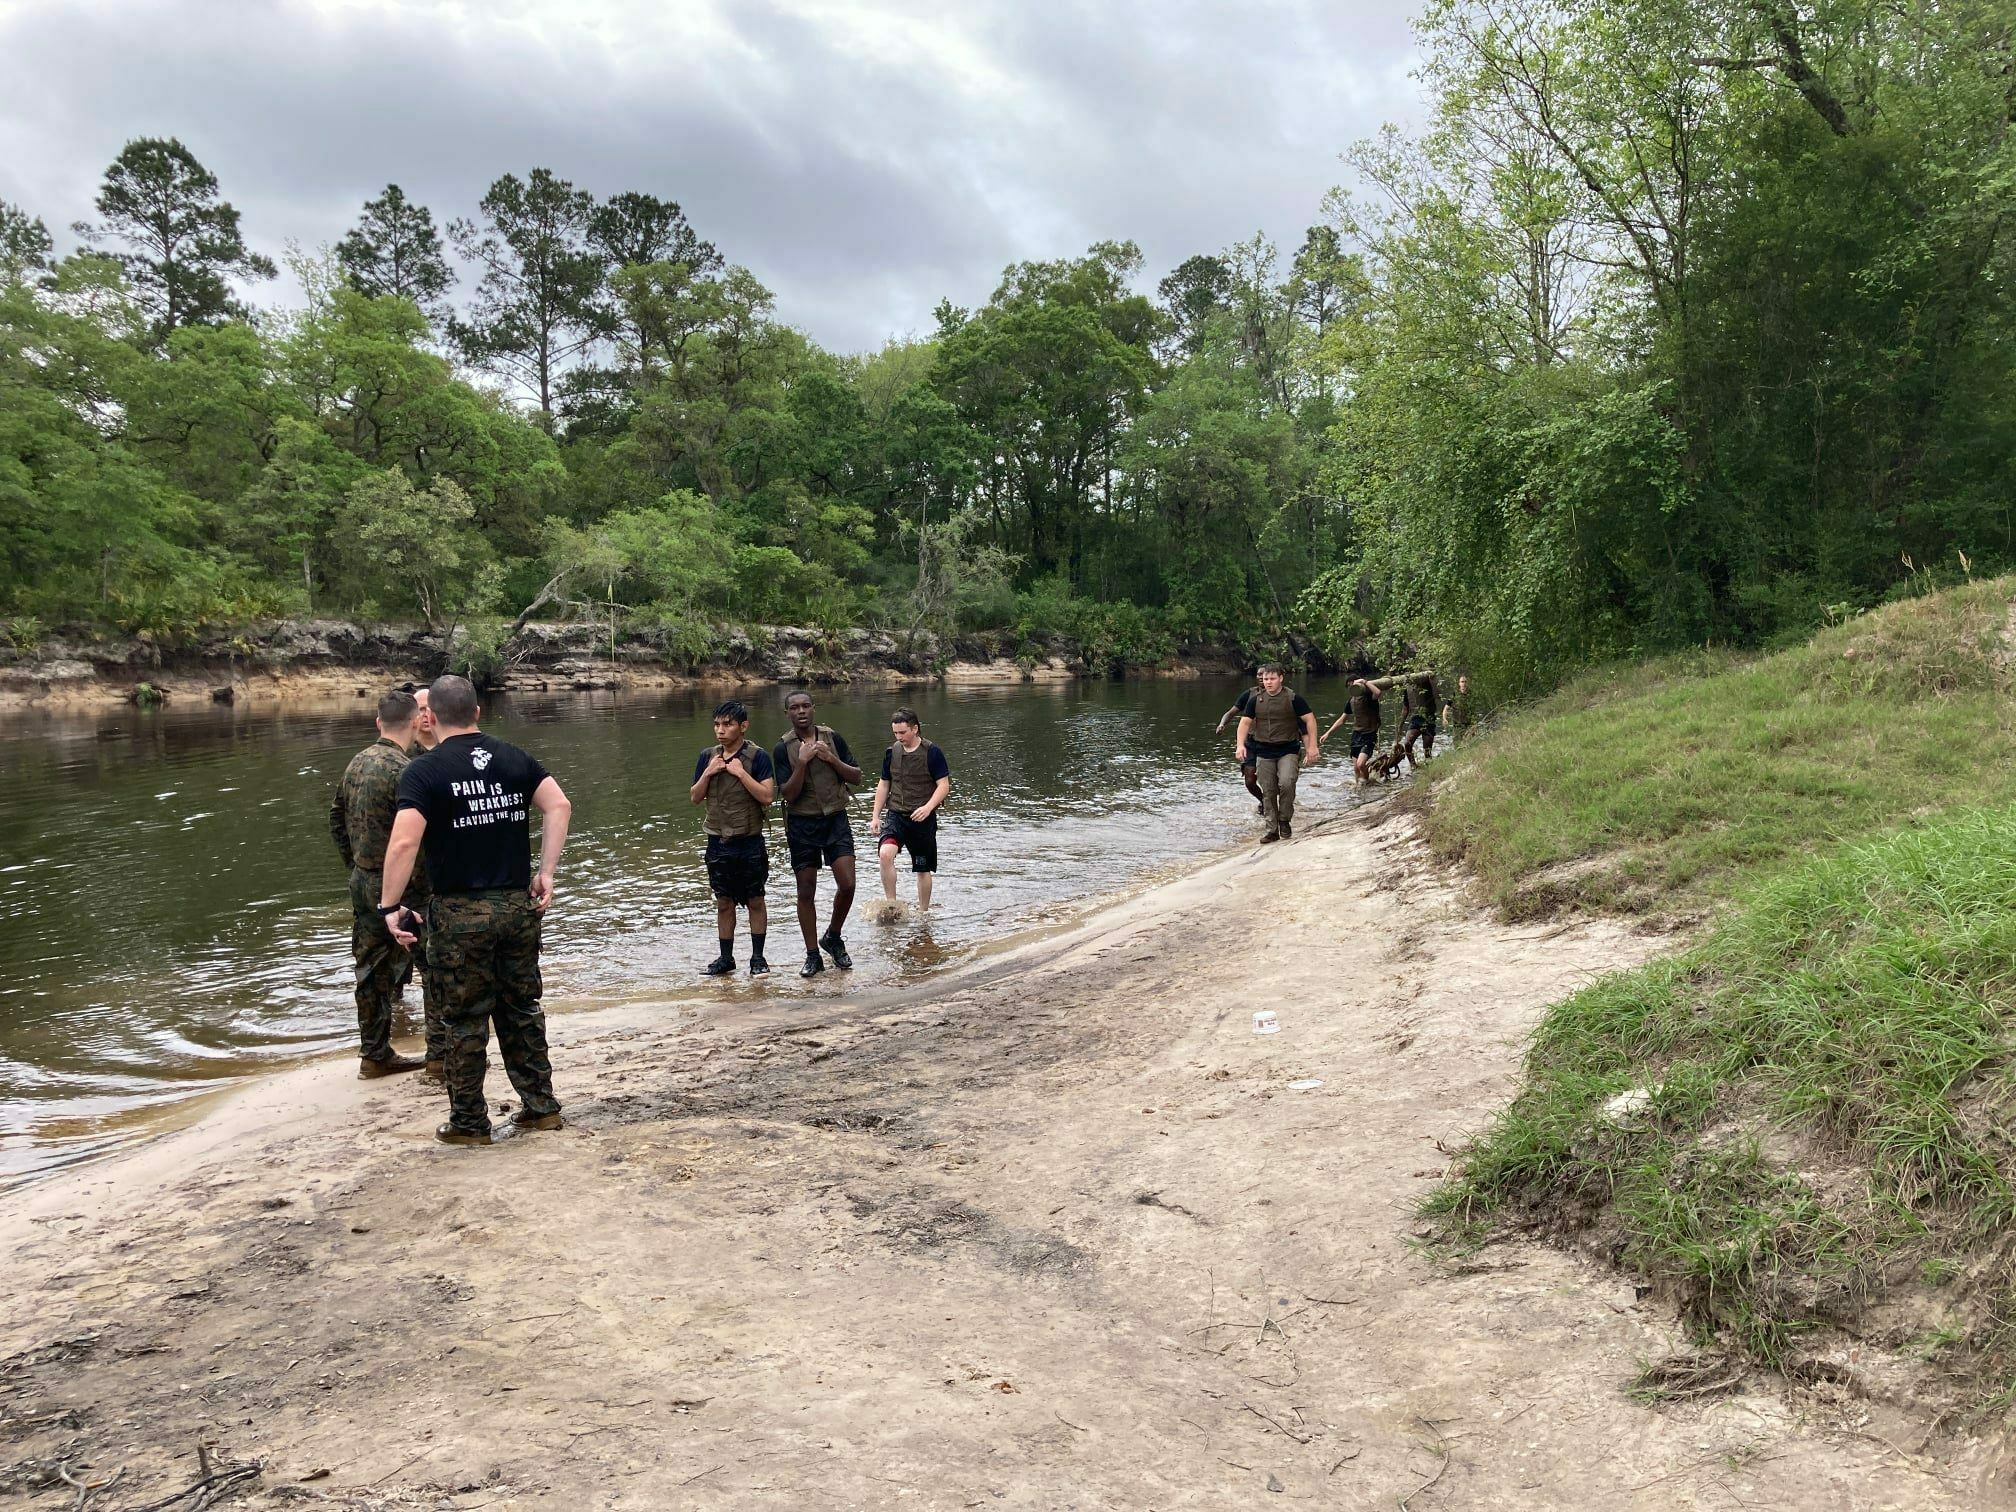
(1278, 730)
(915, 779)
(360, 821)
(815, 775)
(735, 780)
(470, 799)
(1239, 707)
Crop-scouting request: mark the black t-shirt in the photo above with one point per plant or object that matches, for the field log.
(780, 758)
(1272, 748)
(475, 792)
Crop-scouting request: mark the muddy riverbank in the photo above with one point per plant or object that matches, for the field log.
(1058, 1230)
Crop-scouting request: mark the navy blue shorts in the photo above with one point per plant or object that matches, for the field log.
(921, 840)
(1364, 743)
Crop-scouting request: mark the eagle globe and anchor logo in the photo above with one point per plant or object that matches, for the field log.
(479, 758)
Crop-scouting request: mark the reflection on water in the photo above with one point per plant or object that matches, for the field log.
(173, 913)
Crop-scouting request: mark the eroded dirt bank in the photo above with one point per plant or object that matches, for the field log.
(1056, 1234)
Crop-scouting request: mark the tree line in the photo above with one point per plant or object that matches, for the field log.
(1678, 322)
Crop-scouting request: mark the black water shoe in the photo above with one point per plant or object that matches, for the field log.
(449, 1134)
(837, 948)
(721, 965)
(757, 966)
(814, 964)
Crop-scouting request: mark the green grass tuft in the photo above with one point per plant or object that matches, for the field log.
(1859, 1008)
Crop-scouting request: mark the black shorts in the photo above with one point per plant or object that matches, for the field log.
(1364, 743)
(1421, 724)
(817, 839)
(738, 866)
(1250, 759)
(921, 840)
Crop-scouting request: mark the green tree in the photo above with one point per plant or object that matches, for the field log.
(410, 547)
(184, 240)
(395, 250)
(25, 247)
(536, 307)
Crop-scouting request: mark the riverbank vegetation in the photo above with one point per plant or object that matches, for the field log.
(1797, 1128)
(1675, 325)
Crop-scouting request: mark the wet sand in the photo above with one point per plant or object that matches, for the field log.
(1054, 1231)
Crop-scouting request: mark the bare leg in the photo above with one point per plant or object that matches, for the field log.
(759, 916)
(843, 895)
(924, 889)
(888, 855)
(724, 919)
(808, 907)
(1252, 782)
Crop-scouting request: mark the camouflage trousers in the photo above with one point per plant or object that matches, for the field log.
(484, 948)
(383, 969)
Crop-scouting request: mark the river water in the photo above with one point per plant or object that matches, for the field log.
(173, 914)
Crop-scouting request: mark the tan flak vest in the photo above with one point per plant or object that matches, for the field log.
(823, 791)
(1273, 716)
(910, 781)
(731, 812)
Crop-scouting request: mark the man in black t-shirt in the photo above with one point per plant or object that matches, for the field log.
(816, 775)
(733, 778)
(1239, 706)
(471, 798)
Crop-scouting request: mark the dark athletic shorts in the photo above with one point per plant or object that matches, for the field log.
(738, 866)
(818, 838)
(1364, 743)
(1250, 758)
(1420, 722)
(921, 840)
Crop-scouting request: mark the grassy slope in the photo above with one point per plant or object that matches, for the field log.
(1681, 782)
(1830, 1067)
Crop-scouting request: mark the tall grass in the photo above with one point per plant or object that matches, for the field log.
(1679, 783)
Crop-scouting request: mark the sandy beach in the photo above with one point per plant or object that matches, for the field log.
(1059, 1230)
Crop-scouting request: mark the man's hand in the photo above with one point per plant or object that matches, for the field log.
(542, 892)
(1241, 753)
(1314, 751)
(919, 815)
(815, 750)
(717, 765)
(405, 926)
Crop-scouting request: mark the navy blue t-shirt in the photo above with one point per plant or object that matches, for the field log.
(759, 761)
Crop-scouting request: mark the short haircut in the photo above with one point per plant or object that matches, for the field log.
(906, 716)
(1275, 667)
(452, 701)
(793, 697)
(397, 708)
(733, 709)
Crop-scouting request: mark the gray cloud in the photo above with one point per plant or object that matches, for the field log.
(864, 157)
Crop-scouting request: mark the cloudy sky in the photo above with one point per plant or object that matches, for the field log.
(864, 157)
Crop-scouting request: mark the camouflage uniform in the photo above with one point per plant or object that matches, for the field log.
(484, 947)
(360, 822)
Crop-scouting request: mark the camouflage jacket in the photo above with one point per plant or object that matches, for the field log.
(360, 813)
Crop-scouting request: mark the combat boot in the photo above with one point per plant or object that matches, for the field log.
(521, 1122)
(435, 1072)
(449, 1134)
(370, 1070)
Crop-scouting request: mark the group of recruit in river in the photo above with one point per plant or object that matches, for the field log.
(1277, 734)
(438, 847)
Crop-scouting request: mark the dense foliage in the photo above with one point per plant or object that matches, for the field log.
(1685, 322)
(1680, 323)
